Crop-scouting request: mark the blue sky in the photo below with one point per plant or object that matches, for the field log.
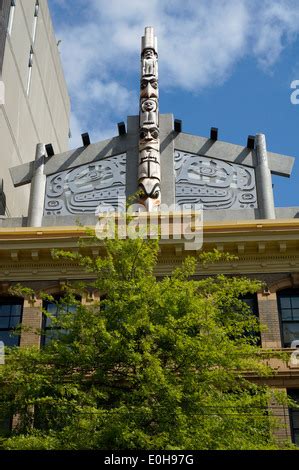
(222, 63)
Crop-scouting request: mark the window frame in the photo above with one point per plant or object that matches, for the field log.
(10, 301)
(57, 297)
(287, 293)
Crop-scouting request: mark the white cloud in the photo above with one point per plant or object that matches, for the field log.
(200, 41)
(277, 26)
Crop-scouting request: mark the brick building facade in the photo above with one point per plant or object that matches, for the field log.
(153, 157)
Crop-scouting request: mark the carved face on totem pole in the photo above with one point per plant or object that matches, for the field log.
(148, 134)
(149, 87)
(148, 112)
(150, 194)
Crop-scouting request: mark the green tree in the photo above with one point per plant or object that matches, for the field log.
(156, 364)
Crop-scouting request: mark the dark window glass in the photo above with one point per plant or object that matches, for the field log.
(10, 316)
(5, 427)
(251, 301)
(288, 305)
(294, 416)
(103, 305)
(50, 331)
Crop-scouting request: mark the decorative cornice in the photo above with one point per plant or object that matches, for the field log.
(265, 246)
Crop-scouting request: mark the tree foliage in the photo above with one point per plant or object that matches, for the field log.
(158, 363)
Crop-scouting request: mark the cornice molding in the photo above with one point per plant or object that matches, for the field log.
(209, 227)
(270, 246)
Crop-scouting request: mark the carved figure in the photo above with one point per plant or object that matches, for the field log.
(149, 113)
(149, 166)
(149, 63)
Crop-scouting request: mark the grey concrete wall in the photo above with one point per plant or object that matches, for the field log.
(281, 165)
(287, 212)
(43, 114)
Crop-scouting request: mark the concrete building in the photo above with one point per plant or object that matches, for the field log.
(34, 101)
(165, 166)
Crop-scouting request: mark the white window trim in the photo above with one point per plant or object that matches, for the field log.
(36, 12)
(11, 16)
(30, 64)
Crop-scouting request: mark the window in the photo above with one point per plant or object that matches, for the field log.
(294, 416)
(10, 316)
(55, 309)
(288, 304)
(11, 16)
(30, 64)
(36, 11)
(251, 301)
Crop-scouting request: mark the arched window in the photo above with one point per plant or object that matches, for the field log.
(55, 309)
(11, 309)
(288, 305)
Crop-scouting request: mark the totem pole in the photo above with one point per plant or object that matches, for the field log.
(149, 173)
